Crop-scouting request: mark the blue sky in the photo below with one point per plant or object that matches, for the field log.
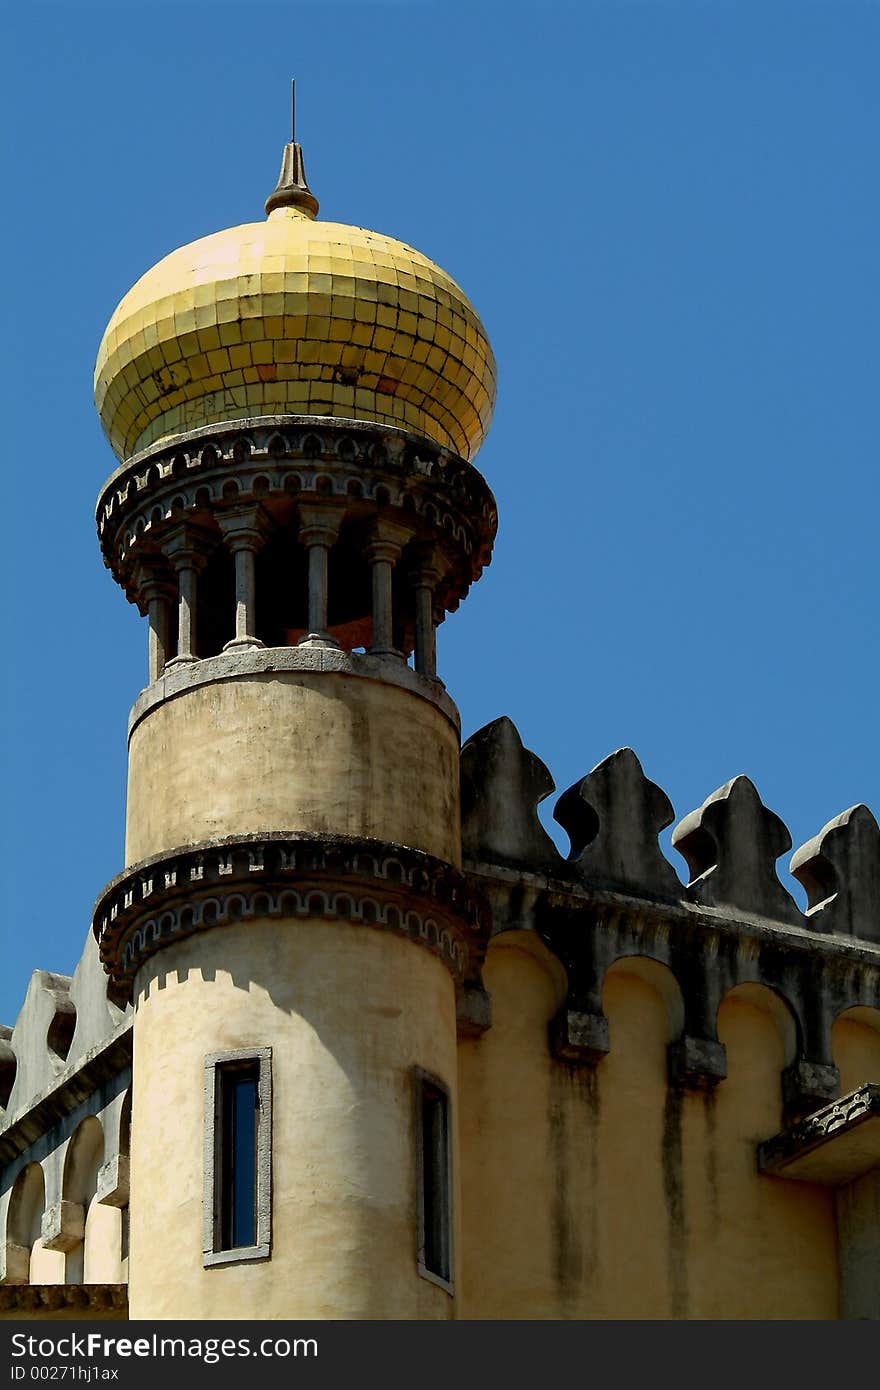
(666, 215)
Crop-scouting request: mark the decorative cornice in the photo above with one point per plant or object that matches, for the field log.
(290, 876)
(270, 661)
(40, 1298)
(556, 892)
(709, 950)
(287, 460)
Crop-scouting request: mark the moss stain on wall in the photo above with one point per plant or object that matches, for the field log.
(674, 1196)
(568, 1261)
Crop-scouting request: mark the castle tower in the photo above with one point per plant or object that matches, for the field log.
(295, 405)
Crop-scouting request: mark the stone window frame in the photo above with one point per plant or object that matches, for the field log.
(421, 1079)
(215, 1063)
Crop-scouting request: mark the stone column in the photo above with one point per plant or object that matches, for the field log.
(382, 553)
(158, 608)
(154, 599)
(186, 549)
(244, 531)
(424, 579)
(319, 527)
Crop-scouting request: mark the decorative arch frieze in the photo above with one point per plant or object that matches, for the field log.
(292, 877)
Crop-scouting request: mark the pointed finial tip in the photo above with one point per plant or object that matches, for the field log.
(292, 190)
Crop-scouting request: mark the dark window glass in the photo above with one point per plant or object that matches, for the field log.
(436, 1214)
(239, 1120)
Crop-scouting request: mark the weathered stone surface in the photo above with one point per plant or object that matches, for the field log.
(731, 844)
(807, 1086)
(62, 1022)
(271, 661)
(840, 869)
(63, 1226)
(86, 1087)
(107, 1301)
(502, 784)
(15, 1263)
(97, 1016)
(41, 1037)
(580, 1038)
(473, 1010)
(613, 817)
(395, 756)
(114, 1181)
(697, 1063)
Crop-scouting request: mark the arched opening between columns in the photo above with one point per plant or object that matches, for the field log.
(26, 1206)
(762, 1036)
(83, 1160)
(216, 602)
(855, 1044)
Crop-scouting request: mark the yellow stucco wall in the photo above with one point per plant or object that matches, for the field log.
(348, 1012)
(315, 751)
(602, 1193)
(102, 1248)
(47, 1266)
(855, 1039)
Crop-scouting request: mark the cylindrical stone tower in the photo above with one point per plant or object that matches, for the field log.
(294, 405)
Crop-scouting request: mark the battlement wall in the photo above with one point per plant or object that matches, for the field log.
(733, 923)
(672, 1113)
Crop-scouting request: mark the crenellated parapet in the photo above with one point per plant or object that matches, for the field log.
(733, 923)
(62, 1020)
(840, 870)
(64, 1129)
(731, 844)
(613, 817)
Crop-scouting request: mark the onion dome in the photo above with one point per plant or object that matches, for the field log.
(295, 316)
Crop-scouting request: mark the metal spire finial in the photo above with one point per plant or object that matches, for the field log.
(292, 190)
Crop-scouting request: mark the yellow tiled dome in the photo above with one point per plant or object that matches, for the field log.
(295, 316)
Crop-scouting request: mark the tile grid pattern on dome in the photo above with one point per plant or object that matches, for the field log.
(299, 317)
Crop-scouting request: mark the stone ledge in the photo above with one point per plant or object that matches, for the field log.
(72, 1300)
(114, 1181)
(697, 1063)
(270, 661)
(63, 1226)
(556, 892)
(833, 1146)
(579, 1038)
(473, 1011)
